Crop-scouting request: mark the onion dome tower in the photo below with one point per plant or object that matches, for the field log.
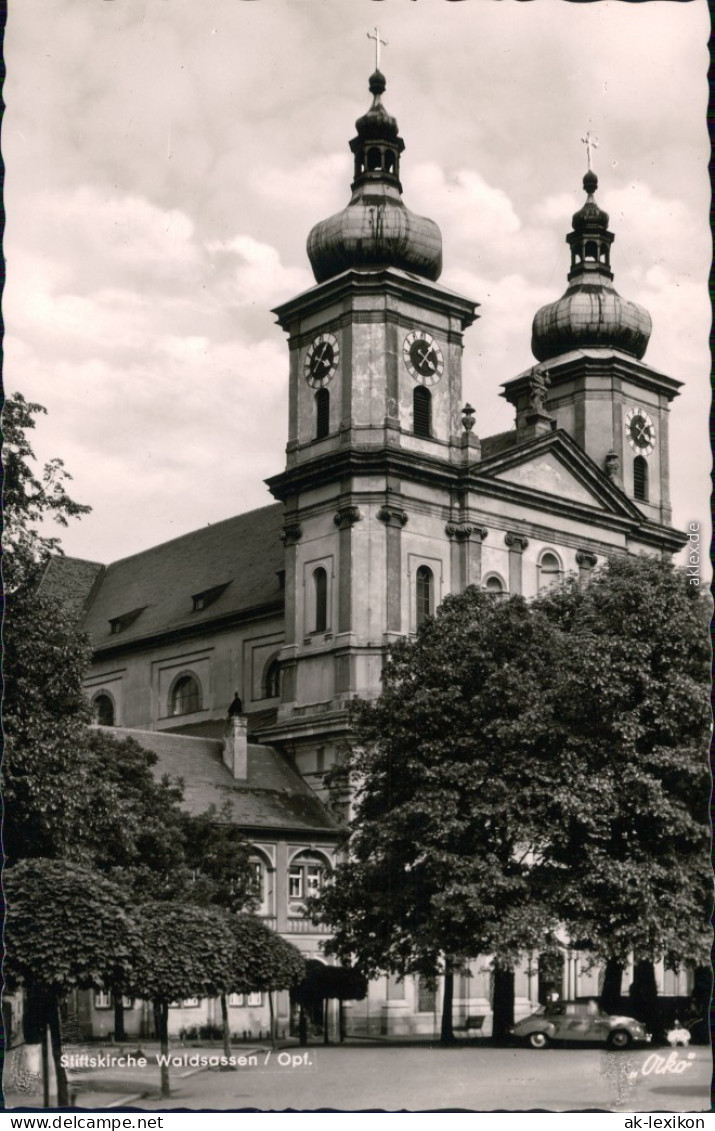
(376, 229)
(591, 314)
(592, 381)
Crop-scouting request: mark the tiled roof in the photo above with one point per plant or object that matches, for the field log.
(70, 580)
(244, 553)
(273, 796)
(493, 445)
(214, 728)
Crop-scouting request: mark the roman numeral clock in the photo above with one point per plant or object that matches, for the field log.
(640, 431)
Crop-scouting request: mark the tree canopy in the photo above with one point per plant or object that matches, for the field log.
(629, 857)
(262, 960)
(528, 765)
(31, 498)
(455, 780)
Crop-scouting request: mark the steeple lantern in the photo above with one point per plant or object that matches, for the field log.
(378, 146)
(590, 241)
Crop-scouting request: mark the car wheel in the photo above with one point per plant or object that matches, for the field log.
(620, 1039)
(537, 1040)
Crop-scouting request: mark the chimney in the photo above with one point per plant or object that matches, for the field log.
(235, 746)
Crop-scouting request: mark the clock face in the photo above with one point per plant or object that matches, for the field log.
(640, 431)
(321, 360)
(423, 357)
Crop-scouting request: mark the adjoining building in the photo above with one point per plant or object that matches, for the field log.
(389, 500)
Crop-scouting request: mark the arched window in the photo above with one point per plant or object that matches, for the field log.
(640, 479)
(322, 413)
(422, 411)
(591, 251)
(550, 570)
(494, 585)
(185, 696)
(389, 161)
(424, 585)
(306, 876)
(374, 159)
(271, 682)
(320, 595)
(103, 710)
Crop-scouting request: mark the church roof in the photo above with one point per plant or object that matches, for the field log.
(71, 581)
(273, 796)
(212, 574)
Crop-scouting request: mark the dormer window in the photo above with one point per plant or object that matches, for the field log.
(208, 596)
(119, 624)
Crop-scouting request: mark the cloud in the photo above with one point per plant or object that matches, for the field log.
(253, 273)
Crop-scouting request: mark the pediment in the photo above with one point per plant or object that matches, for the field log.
(546, 473)
(554, 467)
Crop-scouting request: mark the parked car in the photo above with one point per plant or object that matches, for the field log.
(578, 1021)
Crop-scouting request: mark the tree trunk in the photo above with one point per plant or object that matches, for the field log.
(226, 1032)
(610, 1000)
(341, 1020)
(162, 1008)
(644, 997)
(326, 1040)
(273, 1018)
(503, 1005)
(302, 1027)
(156, 1010)
(45, 1068)
(446, 1035)
(119, 1033)
(53, 1017)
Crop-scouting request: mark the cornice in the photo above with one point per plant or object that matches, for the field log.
(387, 281)
(571, 366)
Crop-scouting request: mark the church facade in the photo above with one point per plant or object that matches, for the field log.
(388, 501)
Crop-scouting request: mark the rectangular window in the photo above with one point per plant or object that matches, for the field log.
(102, 1000)
(426, 997)
(255, 999)
(236, 999)
(313, 876)
(257, 880)
(295, 883)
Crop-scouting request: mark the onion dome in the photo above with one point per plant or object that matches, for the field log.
(376, 229)
(591, 314)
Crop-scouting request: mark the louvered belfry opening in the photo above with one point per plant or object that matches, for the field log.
(322, 414)
(640, 479)
(422, 410)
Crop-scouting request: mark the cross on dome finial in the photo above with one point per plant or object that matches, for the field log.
(590, 143)
(376, 36)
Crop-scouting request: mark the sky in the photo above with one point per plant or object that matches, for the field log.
(166, 160)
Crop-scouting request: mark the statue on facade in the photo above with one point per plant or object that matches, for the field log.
(539, 383)
(236, 707)
(612, 466)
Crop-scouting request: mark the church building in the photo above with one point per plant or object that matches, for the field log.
(388, 501)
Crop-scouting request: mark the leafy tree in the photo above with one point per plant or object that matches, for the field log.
(629, 857)
(447, 822)
(187, 952)
(30, 498)
(324, 983)
(262, 961)
(47, 784)
(67, 927)
(218, 857)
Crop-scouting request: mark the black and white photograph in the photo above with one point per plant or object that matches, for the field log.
(356, 464)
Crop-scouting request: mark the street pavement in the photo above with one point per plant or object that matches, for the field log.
(412, 1077)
